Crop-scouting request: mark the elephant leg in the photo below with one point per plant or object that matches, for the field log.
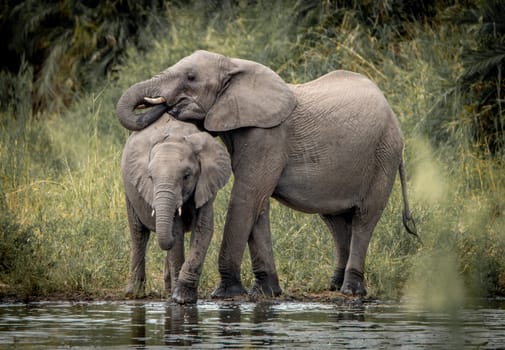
(186, 290)
(237, 229)
(364, 221)
(175, 257)
(258, 158)
(340, 228)
(139, 237)
(261, 251)
(167, 277)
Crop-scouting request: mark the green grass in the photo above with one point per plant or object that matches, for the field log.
(63, 220)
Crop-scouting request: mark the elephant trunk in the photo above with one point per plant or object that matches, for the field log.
(165, 204)
(133, 98)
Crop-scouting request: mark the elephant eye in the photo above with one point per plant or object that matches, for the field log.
(191, 76)
(187, 174)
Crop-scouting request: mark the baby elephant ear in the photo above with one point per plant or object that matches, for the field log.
(215, 166)
(254, 96)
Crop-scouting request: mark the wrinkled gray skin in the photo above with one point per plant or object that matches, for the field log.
(167, 166)
(331, 146)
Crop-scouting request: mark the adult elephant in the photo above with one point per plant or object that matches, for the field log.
(331, 146)
(171, 174)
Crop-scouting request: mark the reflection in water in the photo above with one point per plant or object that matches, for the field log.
(144, 325)
(229, 316)
(357, 314)
(181, 325)
(138, 325)
(263, 313)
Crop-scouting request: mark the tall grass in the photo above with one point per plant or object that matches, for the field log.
(63, 220)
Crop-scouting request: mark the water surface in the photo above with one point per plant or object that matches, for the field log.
(151, 325)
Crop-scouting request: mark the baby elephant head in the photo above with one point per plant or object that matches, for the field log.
(181, 168)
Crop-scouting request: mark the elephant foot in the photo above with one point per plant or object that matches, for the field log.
(225, 291)
(135, 290)
(353, 284)
(337, 279)
(266, 287)
(185, 293)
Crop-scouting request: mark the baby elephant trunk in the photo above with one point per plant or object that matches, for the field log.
(165, 207)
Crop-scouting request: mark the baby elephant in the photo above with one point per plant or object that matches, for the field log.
(171, 174)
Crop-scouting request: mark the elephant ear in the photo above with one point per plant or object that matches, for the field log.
(254, 96)
(215, 166)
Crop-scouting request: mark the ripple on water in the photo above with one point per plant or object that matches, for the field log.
(248, 325)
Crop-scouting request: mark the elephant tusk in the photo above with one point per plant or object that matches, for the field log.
(153, 212)
(179, 211)
(142, 106)
(155, 100)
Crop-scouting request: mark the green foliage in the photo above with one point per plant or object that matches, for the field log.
(63, 221)
(483, 78)
(71, 44)
(476, 100)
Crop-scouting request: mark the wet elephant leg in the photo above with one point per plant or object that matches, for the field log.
(262, 257)
(139, 238)
(340, 228)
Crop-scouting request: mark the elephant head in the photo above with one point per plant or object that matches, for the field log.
(180, 168)
(227, 93)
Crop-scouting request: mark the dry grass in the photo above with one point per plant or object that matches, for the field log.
(63, 221)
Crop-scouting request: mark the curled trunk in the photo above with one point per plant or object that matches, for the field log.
(132, 98)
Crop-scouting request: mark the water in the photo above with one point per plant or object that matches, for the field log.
(152, 325)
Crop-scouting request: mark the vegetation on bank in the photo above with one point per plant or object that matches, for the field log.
(62, 217)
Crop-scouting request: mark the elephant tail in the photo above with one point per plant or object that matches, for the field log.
(408, 221)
